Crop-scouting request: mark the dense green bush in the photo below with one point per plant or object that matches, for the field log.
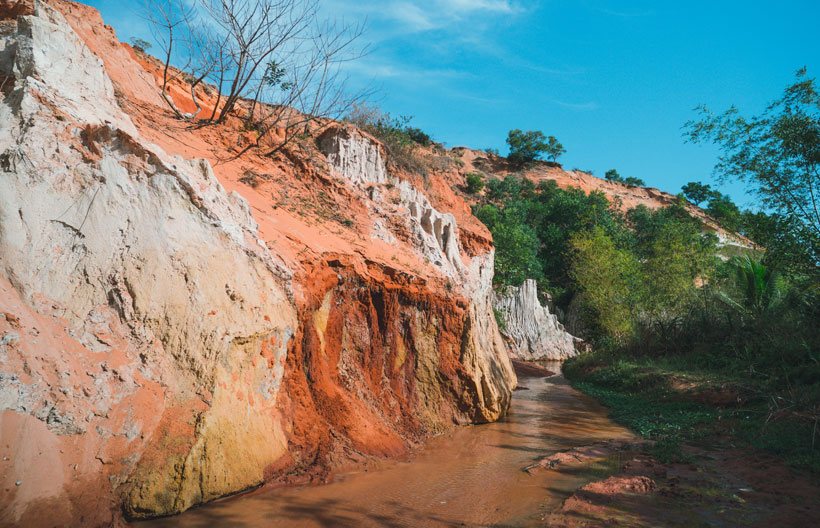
(474, 183)
(418, 135)
(648, 280)
(608, 279)
(552, 215)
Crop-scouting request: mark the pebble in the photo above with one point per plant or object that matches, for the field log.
(18, 482)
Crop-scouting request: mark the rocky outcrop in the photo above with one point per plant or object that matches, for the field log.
(353, 156)
(168, 336)
(434, 236)
(357, 159)
(411, 321)
(15, 8)
(140, 291)
(534, 333)
(434, 231)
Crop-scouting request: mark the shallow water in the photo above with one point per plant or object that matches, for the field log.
(469, 477)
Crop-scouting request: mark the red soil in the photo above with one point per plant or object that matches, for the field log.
(343, 278)
(721, 487)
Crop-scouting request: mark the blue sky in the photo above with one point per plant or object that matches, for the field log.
(613, 81)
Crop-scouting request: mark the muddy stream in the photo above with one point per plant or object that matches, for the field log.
(470, 476)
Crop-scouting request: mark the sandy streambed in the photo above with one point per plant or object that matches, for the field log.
(471, 476)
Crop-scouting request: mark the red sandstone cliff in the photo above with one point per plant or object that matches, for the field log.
(177, 325)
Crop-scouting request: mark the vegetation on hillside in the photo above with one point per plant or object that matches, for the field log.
(692, 339)
(474, 183)
(551, 235)
(612, 175)
(527, 147)
(395, 133)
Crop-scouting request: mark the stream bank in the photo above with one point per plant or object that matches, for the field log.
(471, 476)
(718, 451)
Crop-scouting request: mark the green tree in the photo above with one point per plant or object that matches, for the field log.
(526, 147)
(724, 210)
(140, 45)
(607, 278)
(489, 215)
(494, 189)
(613, 176)
(678, 260)
(697, 192)
(790, 247)
(777, 152)
(635, 182)
(554, 149)
(516, 248)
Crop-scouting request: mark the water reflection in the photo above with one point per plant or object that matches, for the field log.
(469, 477)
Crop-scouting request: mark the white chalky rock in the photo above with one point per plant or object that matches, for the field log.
(535, 333)
(352, 156)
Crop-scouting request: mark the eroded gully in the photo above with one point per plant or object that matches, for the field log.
(471, 476)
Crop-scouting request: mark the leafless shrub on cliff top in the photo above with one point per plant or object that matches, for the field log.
(278, 56)
(171, 23)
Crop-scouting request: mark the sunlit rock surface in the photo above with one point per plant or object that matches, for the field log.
(170, 334)
(534, 333)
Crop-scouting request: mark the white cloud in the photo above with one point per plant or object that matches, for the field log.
(411, 16)
(376, 69)
(419, 16)
(497, 6)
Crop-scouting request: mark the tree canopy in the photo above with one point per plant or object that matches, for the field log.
(777, 152)
(526, 147)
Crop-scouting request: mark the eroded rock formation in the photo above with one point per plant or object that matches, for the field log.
(534, 333)
(139, 290)
(353, 156)
(170, 334)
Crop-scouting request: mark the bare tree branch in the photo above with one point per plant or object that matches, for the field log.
(277, 54)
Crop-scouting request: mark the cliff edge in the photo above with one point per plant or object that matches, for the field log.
(178, 324)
